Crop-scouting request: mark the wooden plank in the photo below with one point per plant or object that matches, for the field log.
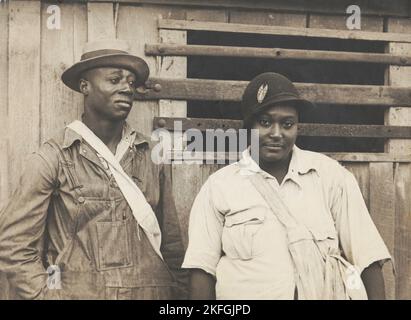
(216, 15)
(387, 8)
(5, 191)
(402, 180)
(59, 104)
(361, 171)
(268, 18)
(80, 33)
(24, 83)
(368, 157)
(100, 20)
(143, 112)
(304, 129)
(398, 77)
(4, 40)
(283, 31)
(339, 156)
(223, 90)
(382, 208)
(187, 182)
(374, 24)
(275, 54)
(173, 67)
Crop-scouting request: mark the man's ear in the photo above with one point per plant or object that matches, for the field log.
(84, 86)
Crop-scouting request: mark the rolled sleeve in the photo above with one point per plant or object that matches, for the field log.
(359, 238)
(22, 225)
(205, 229)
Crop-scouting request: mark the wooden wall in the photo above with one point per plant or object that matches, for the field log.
(34, 103)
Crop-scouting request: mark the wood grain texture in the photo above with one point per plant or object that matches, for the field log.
(268, 18)
(187, 181)
(24, 73)
(304, 129)
(339, 22)
(138, 25)
(224, 90)
(382, 209)
(172, 67)
(4, 121)
(284, 31)
(402, 252)
(389, 8)
(399, 77)
(274, 53)
(59, 104)
(361, 171)
(100, 19)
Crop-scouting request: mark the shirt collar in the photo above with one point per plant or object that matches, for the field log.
(300, 163)
(70, 136)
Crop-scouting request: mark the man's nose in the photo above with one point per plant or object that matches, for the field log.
(127, 88)
(275, 130)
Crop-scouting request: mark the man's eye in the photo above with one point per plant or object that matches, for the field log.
(264, 122)
(288, 124)
(115, 80)
(132, 83)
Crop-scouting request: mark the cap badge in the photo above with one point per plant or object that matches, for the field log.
(261, 93)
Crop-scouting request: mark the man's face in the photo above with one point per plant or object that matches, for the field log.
(277, 127)
(109, 92)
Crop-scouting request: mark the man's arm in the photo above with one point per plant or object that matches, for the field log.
(374, 282)
(202, 285)
(22, 225)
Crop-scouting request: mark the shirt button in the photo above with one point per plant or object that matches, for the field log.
(81, 200)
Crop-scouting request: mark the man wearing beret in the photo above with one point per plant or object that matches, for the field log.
(283, 223)
(91, 207)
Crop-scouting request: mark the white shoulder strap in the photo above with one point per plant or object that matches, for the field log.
(141, 209)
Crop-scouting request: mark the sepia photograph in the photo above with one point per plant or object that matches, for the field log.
(205, 150)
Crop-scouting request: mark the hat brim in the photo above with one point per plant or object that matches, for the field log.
(301, 104)
(138, 66)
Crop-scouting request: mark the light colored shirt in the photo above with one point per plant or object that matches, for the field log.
(234, 236)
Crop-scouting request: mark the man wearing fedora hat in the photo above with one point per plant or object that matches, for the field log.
(292, 224)
(93, 216)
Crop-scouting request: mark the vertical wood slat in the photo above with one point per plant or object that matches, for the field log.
(175, 67)
(402, 250)
(400, 76)
(59, 104)
(100, 19)
(79, 39)
(145, 17)
(4, 39)
(189, 178)
(382, 207)
(361, 172)
(24, 83)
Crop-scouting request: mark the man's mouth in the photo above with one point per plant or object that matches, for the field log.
(124, 103)
(273, 146)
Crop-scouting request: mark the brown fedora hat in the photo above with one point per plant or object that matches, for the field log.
(106, 53)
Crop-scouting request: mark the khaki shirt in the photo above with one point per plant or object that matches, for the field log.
(234, 236)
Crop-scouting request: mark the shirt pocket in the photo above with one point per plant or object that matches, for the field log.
(113, 244)
(239, 231)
